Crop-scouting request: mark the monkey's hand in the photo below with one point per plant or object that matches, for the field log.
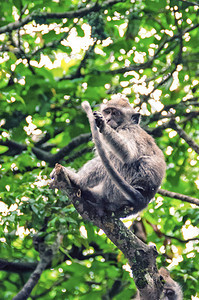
(99, 120)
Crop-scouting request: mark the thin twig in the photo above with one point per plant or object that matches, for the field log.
(191, 3)
(178, 196)
(184, 136)
(162, 234)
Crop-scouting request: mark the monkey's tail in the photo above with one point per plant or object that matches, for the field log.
(130, 193)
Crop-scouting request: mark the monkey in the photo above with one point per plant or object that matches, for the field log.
(171, 289)
(128, 167)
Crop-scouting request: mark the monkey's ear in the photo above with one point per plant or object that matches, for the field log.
(136, 118)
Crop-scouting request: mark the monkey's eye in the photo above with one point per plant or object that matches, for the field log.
(107, 111)
(169, 293)
(116, 113)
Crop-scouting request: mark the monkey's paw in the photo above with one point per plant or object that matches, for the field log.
(99, 120)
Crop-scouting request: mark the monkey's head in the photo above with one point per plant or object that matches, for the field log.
(118, 111)
(171, 289)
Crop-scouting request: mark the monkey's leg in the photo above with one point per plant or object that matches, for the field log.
(63, 178)
(73, 177)
(94, 197)
(67, 180)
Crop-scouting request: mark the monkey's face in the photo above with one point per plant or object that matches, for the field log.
(114, 117)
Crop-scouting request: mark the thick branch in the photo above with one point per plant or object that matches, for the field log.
(79, 140)
(78, 154)
(142, 258)
(17, 148)
(14, 147)
(178, 196)
(17, 267)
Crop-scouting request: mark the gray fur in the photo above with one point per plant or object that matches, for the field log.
(171, 289)
(128, 167)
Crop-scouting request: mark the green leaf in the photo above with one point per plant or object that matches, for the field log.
(3, 149)
(80, 31)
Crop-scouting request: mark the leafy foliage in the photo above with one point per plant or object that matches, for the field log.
(56, 54)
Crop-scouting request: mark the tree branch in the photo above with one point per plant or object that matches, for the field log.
(47, 136)
(191, 3)
(16, 267)
(17, 148)
(17, 24)
(178, 196)
(170, 237)
(78, 154)
(57, 283)
(192, 114)
(133, 67)
(142, 258)
(77, 73)
(69, 14)
(45, 259)
(54, 43)
(184, 136)
(137, 67)
(77, 141)
(179, 239)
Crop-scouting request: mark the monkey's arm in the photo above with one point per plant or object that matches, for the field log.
(130, 193)
(116, 142)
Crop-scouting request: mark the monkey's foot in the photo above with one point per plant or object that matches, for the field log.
(60, 179)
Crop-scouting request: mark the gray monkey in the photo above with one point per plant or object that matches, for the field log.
(128, 167)
(171, 289)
